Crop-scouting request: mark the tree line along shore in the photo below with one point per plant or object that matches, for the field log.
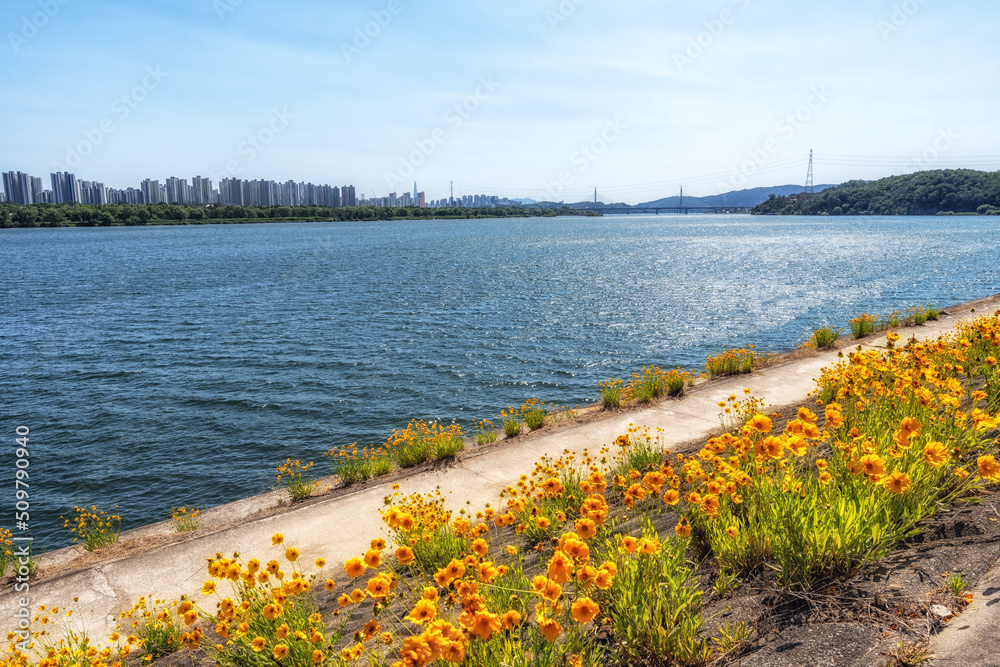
(112, 215)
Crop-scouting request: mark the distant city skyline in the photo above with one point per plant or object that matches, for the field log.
(23, 188)
(525, 99)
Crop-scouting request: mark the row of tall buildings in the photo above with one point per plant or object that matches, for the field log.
(420, 199)
(22, 188)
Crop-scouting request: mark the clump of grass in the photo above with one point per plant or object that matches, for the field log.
(535, 414)
(486, 432)
(157, 629)
(955, 584)
(6, 551)
(94, 528)
(823, 337)
(296, 478)
(611, 394)
(933, 313)
(736, 362)
(185, 519)
(352, 466)
(863, 325)
(513, 422)
(421, 441)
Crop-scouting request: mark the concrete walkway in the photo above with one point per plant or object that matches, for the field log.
(341, 527)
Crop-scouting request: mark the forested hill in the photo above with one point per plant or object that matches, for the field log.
(921, 193)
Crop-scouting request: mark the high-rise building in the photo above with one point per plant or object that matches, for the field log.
(347, 196)
(17, 185)
(65, 188)
(151, 192)
(201, 191)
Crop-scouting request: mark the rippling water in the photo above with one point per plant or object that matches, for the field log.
(167, 366)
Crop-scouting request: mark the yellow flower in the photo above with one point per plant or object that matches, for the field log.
(320, 563)
(208, 588)
(510, 620)
(404, 555)
(872, 464)
(484, 624)
(761, 423)
(560, 568)
(898, 482)
(277, 539)
(989, 468)
(282, 631)
(550, 628)
(280, 651)
(671, 496)
(329, 585)
(373, 558)
(683, 528)
(584, 610)
(317, 657)
(422, 612)
(936, 454)
(629, 544)
(355, 567)
(291, 554)
(258, 644)
(732, 531)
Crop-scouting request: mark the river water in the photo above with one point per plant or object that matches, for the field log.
(166, 366)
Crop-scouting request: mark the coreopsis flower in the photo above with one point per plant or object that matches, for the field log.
(560, 568)
(898, 482)
(629, 544)
(584, 610)
(989, 468)
(480, 547)
(761, 423)
(872, 464)
(291, 554)
(585, 528)
(258, 644)
(683, 528)
(277, 539)
(485, 624)
(549, 628)
(355, 567)
(373, 558)
(404, 555)
(732, 531)
(510, 620)
(422, 612)
(936, 454)
(671, 496)
(649, 546)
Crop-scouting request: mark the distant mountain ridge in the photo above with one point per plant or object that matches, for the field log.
(737, 198)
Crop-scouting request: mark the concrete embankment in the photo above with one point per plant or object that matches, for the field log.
(341, 525)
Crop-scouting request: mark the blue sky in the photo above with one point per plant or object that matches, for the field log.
(539, 99)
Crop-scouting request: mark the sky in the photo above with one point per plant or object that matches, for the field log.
(545, 100)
